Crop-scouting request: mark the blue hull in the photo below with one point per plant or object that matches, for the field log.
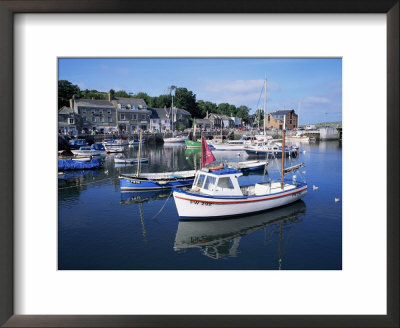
(138, 184)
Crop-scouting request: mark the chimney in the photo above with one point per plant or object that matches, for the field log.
(109, 96)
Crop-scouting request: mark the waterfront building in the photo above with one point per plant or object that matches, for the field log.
(276, 119)
(132, 114)
(237, 121)
(97, 115)
(159, 119)
(203, 124)
(215, 119)
(69, 122)
(180, 117)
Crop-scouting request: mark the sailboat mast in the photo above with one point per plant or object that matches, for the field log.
(139, 154)
(283, 152)
(265, 102)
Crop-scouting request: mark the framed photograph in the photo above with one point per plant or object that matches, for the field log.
(152, 95)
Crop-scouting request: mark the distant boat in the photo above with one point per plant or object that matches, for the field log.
(192, 144)
(247, 165)
(115, 143)
(97, 149)
(275, 150)
(77, 143)
(176, 139)
(115, 149)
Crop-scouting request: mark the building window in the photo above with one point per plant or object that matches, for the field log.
(93, 119)
(84, 111)
(100, 111)
(110, 119)
(143, 117)
(109, 111)
(133, 117)
(93, 111)
(122, 117)
(101, 119)
(70, 121)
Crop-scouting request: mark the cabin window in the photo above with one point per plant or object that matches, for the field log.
(200, 180)
(225, 182)
(209, 184)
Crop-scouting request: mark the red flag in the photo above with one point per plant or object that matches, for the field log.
(206, 154)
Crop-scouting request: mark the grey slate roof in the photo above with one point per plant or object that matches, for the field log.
(203, 121)
(65, 110)
(160, 113)
(93, 103)
(282, 112)
(130, 101)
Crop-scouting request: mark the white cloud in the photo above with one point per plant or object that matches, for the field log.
(239, 86)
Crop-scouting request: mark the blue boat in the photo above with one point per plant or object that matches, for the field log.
(70, 164)
(154, 181)
(77, 143)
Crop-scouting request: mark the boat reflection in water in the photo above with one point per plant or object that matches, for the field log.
(220, 238)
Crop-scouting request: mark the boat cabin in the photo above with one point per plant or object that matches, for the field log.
(223, 182)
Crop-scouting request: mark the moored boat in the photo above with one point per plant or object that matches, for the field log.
(176, 139)
(69, 164)
(216, 193)
(192, 144)
(162, 180)
(97, 149)
(247, 166)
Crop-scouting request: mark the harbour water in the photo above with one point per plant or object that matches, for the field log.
(102, 228)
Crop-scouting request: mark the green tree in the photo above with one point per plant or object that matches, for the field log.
(145, 97)
(122, 94)
(206, 106)
(65, 92)
(162, 101)
(186, 99)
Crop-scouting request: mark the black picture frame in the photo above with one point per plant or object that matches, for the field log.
(7, 201)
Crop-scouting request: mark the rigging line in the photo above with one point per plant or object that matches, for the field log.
(162, 206)
(84, 184)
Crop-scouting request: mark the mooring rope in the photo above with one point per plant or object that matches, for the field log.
(162, 207)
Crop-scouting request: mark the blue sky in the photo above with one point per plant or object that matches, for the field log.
(313, 87)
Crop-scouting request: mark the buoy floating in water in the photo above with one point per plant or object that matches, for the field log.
(337, 200)
(314, 187)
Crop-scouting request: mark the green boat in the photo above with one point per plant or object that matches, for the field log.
(192, 144)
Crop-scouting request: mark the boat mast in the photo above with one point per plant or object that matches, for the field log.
(283, 152)
(139, 154)
(265, 102)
